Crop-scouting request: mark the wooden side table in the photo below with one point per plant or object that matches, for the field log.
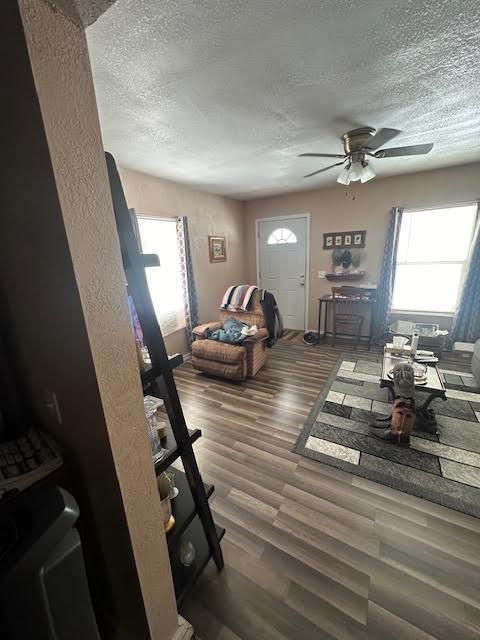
(326, 300)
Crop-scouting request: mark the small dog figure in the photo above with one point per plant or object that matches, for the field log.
(397, 428)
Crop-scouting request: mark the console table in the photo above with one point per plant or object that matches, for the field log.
(325, 300)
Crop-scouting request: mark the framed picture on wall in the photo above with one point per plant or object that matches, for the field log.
(344, 240)
(217, 248)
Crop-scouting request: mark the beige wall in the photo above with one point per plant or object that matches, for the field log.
(208, 214)
(334, 209)
(62, 283)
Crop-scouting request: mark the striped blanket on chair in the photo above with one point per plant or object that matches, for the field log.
(237, 297)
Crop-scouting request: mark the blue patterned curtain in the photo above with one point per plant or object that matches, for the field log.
(189, 289)
(466, 323)
(386, 280)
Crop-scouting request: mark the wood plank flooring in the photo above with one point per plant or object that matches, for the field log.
(311, 551)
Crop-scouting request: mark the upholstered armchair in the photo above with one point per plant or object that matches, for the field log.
(235, 362)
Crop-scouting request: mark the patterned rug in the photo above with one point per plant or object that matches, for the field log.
(443, 468)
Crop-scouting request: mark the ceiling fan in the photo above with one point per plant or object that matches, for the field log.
(360, 143)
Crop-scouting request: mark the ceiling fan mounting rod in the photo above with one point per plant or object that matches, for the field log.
(357, 156)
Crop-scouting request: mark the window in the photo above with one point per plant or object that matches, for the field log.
(282, 236)
(164, 282)
(432, 258)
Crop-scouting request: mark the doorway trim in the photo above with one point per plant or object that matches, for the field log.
(290, 216)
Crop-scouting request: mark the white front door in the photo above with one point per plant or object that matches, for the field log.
(282, 251)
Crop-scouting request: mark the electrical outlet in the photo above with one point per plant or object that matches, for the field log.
(322, 274)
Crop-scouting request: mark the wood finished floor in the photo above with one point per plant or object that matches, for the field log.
(311, 551)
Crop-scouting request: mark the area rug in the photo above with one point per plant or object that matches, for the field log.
(443, 468)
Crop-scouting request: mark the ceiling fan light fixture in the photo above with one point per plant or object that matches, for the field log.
(344, 177)
(367, 172)
(356, 171)
(359, 170)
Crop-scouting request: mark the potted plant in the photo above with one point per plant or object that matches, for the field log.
(337, 258)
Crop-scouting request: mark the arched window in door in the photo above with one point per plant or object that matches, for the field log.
(282, 236)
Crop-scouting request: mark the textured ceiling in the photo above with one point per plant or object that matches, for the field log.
(223, 94)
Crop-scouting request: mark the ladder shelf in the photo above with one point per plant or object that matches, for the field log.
(193, 519)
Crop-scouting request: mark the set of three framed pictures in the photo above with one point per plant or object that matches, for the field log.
(344, 240)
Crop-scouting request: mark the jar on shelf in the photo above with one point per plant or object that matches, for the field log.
(164, 490)
(151, 406)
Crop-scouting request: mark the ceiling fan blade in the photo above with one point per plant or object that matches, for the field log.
(309, 175)
(413, 150)
(382, 137)
(322, 155)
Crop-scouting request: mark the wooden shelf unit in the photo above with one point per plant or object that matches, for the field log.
(183, 507)
(184, 577)
(174, 449)
(193, 518)
(150, 374)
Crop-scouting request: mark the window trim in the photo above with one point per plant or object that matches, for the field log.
(451, 205)
(465, 263)
(432, 314)
(152, 216)
(161, 218)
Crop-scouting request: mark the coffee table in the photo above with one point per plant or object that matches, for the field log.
(434, 385)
